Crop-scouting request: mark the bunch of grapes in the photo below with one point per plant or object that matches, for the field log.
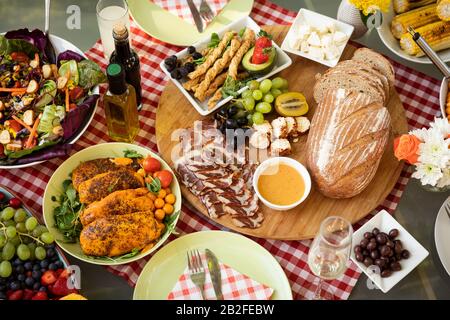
(21, 236)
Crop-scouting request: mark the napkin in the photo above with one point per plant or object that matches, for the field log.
(235, 286)
(180, 8)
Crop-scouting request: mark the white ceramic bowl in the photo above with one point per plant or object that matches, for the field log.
(385, 222)
(443, 97)
(315, 19)
(290, 162)
(283, 61)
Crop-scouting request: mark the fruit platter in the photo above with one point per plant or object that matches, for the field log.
(44, 105)
(32, 267)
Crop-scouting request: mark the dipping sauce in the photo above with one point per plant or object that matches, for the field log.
(281, 184)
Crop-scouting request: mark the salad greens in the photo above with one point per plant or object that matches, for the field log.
(51, 118)
(132, 154)
(215, 40)
(8, 46)
(47, 93)
(90, 74)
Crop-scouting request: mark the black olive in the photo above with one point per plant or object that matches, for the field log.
(405, 254)
(364, 243)
(396, 266)
(242, 121)
(371, 246)
(232, 111)
(381, 238)
(368, 235)
(374, 254)
(390, 244)
(380, 263)
(385, 251)
(197, 55)
(191, 49)
(368, 261)
(189, 66)
(359, 257)
(398, 248)
(375, 231)
(386, 273)
(231, 124)
(184, 72)
(357, 249)
(175, 74)
(393, 233)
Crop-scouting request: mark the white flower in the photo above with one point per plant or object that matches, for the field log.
(442, 125)
(445, 180)
(435, 149)
(421, 134)
(427, 174)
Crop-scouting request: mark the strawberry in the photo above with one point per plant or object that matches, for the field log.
(16, 295)
(40, 296)
(60, 288)
(59, 272)
(263, 42)
(63, 273)
(28, 294)
(49, 277)
(259, 56)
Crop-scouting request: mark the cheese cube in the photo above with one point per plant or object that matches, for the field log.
(304, 47)
(331, 27)
(303, 31)
(316, 52)
(339, 38)
(327, 40)
(314, 39)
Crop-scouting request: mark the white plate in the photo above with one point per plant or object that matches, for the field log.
(60, 46)
(442, 236)
(384, 31)
(385, 222)
(315, 19)
(283, 61)
(443, 97)
(161, 273)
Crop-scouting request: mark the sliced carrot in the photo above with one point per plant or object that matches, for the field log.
(24, 124)
(33, 132)
(67, 100)
(13, 90)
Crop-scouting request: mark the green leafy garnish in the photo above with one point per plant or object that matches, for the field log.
(154, 186)
(68, 212)
(199, 61)
(241, 32)
(132, 154)
(263, 33)
(215, 40)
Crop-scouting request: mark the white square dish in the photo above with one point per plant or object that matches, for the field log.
(385, 222)
(283, 61)
(316, 20)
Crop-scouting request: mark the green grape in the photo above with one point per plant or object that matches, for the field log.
(2, 240)
(246, 94)
(250, 119)
(40, 253)
(240, 114)
(10, 232)
(265, 85)
(275, 92)
(27, 240)
(21, 227)
(263, 107)
(47, 238)
(253, 85)
(32, 246)
(268, 98)
(15, 241)
(9, 223)
(8, 251)
(23, 252)
(20, 215)
(5, 269)
(277, 83)
(7, 214)
(31, 223)
(257, 95)
(38, 231)
(239, 104)
(258, 118)
(249, 104)
(285, 84)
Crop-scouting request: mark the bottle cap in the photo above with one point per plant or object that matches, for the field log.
(116, 78)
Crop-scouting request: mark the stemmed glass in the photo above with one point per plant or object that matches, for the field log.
(330, 251)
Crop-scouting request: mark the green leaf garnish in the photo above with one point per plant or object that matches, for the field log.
(215, 40)
(154, 186)
(132, 154)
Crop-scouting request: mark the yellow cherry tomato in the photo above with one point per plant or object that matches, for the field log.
(168, 208)
(168, 191)
(159, 203)
(162, 194)
(170, 199)
(160, 214)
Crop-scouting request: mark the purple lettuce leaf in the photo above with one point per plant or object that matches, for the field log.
(35, 37)
(69, 55)
(77, 118)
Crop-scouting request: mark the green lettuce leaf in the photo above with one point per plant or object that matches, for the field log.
(52, 117)
(90, 74)
(8, 46)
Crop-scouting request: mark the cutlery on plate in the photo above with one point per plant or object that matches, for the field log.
(447, 209)
(196, 270)
(434, 57)
(205, 11)
(196, 15)
(49, 50)
(214, 271)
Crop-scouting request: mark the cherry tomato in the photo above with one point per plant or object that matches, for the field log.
(15, 203)
(151, 164)
(165, 177)
(19, 57)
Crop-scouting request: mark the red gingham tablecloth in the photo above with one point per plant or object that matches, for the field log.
(418, 92)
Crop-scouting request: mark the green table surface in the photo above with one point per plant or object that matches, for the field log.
(416, 212)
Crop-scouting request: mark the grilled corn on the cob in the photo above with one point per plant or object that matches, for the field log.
(401, 6)
(415, 18)
(437, 35)
(443, 10)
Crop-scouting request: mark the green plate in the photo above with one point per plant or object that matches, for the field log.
(169, 28)
(54, 188)
(246, 256)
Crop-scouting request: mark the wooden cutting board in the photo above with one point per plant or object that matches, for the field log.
(175, 112)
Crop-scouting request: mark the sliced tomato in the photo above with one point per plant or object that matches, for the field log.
(14, 125)
(19, 57)
(165, 177)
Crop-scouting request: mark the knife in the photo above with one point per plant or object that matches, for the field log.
(196, 15)
(214, 271)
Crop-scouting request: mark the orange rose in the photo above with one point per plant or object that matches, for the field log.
(405, 148)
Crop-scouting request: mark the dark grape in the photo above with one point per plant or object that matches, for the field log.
(36, 267)
(44, 263)
(36, 286)
(43, 289)
(175, 74)
(191, 49)
(223, 112)
(184, 72)
(232, 111)
(51, 252)
(189, 66)
(171, 68)
(15, 285)
(231, 124)
(28, 266)
(20, 269)
(242, 121)
(36, 274)
(21, 277)
(52, 266)
(197, 55)
(29, 282)
(59, 264)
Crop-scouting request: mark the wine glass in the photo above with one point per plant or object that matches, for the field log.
(330, 251)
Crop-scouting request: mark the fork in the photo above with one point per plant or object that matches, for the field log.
(447, 209)
(196, 270)
(205, 11)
